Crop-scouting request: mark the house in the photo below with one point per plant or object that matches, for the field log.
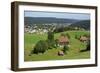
(45, 31)
(42, 31)
(32, 31)
(63, 40)
(83, 39)
(60, 53)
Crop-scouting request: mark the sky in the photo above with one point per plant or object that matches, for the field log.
(65, 15)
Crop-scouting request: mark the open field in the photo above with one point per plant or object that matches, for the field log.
(73, 53)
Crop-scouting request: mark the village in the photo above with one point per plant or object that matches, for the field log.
(43, 28)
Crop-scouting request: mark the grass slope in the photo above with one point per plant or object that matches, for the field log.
(31, 39)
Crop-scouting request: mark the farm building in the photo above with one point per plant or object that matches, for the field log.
(83, 39)
(63, 40)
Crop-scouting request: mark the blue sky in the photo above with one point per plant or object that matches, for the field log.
(79, 16)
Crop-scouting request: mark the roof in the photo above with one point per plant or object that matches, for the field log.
(83, 38)
(63, 39)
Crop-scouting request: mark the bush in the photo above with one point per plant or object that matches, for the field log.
(56, 42)
(65, 48)
(63, 34)
(87, 35)
(40, 47)
(50, 35)
(88, 46)
(77, 37)
(68, 35)
(51, 41)
(51, 44)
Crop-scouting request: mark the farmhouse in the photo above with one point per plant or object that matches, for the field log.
(63, 40)
(83, 39)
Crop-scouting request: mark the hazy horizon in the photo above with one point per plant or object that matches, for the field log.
(64, 15)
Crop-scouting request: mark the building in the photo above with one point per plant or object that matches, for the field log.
(63, 40)
(83, 39)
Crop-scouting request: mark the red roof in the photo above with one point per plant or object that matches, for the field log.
(63, 39)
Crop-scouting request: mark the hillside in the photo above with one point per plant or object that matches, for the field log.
(41, 20)
(82, 24)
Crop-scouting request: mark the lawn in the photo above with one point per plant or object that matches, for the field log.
(74, 51)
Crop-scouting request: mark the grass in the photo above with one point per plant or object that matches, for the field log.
(73, 53)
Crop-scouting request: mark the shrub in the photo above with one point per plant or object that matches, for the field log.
(40, 47)
(87, 35)
(56, 42)
(51, 41)
(68, 35)
(63, 34)
(88, 45)
(65, 48)
(50, 35)
(51, 44)
(77, 36)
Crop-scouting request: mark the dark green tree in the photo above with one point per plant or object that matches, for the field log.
(51, 44)
(40, 47)
(68, 35)
(51, 41)
(88, 46)
(50, 35)
(65, 49)
(77, 36)
(56, 42)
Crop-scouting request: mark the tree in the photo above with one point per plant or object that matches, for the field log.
(51, 41)
(87, 35)
(88, 46)
(68, 35)
(50, 35)
(56, 42)
(63, 34)
(40, 47)
(77, 36)
(51, 44)
(65, 48)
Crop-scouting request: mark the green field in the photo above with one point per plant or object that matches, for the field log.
(73, 53)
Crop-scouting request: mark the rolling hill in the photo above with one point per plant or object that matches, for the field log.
(41, 20)
(82, 24)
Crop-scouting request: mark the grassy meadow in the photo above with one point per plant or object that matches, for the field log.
(73, 53)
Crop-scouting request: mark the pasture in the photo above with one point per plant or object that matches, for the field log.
(73, 53)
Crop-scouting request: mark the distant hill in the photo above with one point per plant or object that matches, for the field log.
(39, 20)
(82, 24)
